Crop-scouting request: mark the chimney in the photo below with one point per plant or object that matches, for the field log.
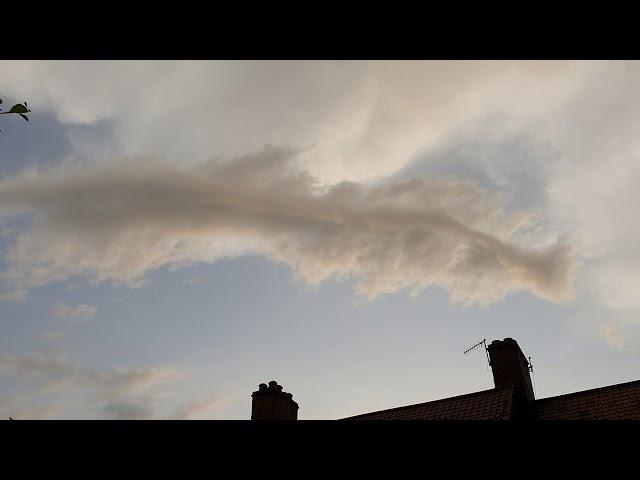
(511, 367)
(271, 403)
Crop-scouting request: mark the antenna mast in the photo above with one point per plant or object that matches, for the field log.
(482, 342)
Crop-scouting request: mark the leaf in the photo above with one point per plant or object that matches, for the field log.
(18, 108)
(24, 116)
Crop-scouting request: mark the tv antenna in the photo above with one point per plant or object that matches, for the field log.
(533, 377)
(482, 342)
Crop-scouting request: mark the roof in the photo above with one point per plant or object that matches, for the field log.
(614, 402)
(494, 404)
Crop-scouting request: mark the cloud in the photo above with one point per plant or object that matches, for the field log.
(68, 314)
(193, 281)
(145, 408)
(623, 335)
(17, 296)
(202, 407)
(127, 410)
(365, 118)
(613, 336)
(49, 385)
(119, 222)
(593, 182)
(55, 372)
(62, 310)
(52, 385)
(54, 335)
(13, 406)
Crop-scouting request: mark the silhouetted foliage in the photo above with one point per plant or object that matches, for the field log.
(18, 108)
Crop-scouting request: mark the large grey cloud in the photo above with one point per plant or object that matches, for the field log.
(364, 118)
(368, 119)
(119, 222)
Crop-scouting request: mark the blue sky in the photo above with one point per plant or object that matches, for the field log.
(141, 279)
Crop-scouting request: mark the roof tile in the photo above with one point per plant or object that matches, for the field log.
(492, 404)
(615, 402)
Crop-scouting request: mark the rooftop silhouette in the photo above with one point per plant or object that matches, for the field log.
(512, 398)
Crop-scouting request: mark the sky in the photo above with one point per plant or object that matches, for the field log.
(173, 233)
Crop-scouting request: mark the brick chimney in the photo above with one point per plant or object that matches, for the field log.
(511, 367)
(271, 403)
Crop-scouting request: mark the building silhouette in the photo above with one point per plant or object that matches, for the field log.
(272, 403)
(512, 398)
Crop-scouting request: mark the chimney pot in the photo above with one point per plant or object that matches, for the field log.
(272, 403)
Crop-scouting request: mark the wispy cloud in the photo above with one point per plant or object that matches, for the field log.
(613, 336)
(45, 375)
(54, 335)
(128, 410)
(18, 408)
(52, 385)
(120, 222)
(17, 296)
(64, 311)
(203, 407)
(623, 334)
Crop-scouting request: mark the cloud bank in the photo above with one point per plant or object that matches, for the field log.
(119, 222)
(364, 118)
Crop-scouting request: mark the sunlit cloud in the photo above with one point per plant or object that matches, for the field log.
(119, 223)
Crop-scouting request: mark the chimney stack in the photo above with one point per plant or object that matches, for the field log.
(511, 367)
(271, 403)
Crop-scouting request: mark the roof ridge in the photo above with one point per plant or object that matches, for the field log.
(616, 385)
(510, 386)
